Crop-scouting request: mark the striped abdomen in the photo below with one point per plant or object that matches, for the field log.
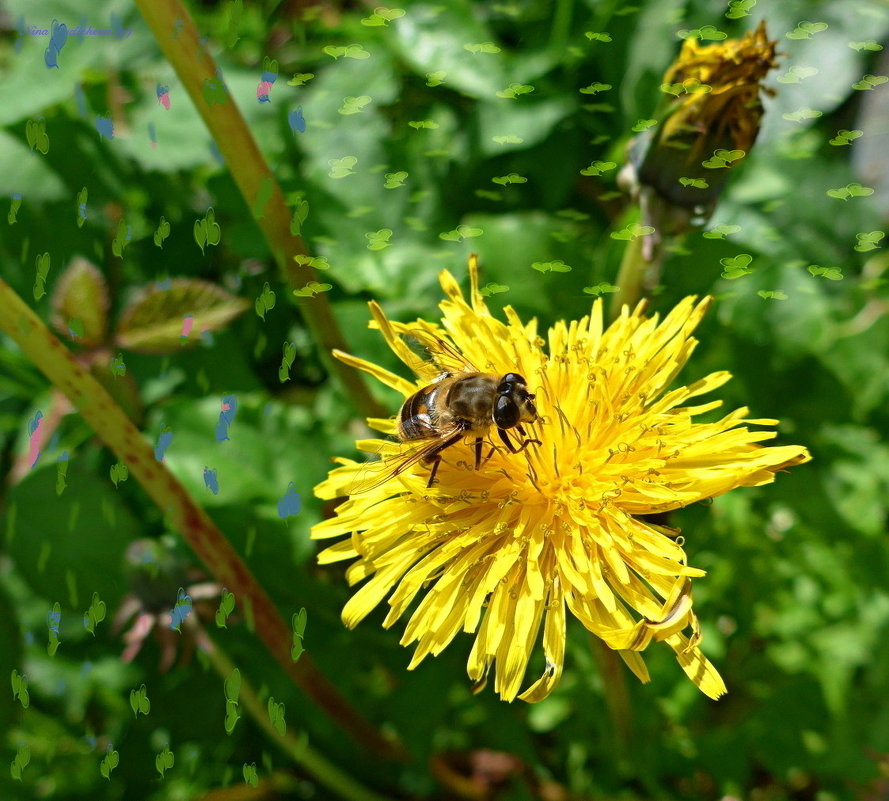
(415, 420)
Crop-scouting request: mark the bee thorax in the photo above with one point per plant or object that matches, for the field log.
(471, 400)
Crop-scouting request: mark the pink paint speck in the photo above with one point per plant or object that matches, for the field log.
(187, 323)
(34, 443)
(164, 100)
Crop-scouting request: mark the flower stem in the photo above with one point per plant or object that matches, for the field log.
(177, 35)
(636, 274)
(296, 747)
(617, 700)
(117, 431)
(561, 26)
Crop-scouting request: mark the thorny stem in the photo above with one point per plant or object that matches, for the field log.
(117, 431)
(296, 747)
(177, 35)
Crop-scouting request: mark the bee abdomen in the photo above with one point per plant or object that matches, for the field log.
(415, 420)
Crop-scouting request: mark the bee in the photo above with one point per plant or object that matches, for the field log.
(461, 404)
(458, 402)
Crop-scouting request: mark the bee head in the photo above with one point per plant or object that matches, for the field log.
(514, 403)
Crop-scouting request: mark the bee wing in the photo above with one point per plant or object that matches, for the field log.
(436, 356)
(373, 474)
(442, 355)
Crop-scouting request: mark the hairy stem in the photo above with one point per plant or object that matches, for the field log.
(117, 431)
(178, 38)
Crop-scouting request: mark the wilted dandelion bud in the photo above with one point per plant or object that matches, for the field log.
(708, 122)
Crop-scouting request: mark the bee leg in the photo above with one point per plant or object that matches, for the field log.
(434, 457)
(478, 452)
(508, 442)
(434, 460)
(527, 441)
(526, 438)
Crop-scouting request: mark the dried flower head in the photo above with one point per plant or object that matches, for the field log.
(515, 545)
(708, 123)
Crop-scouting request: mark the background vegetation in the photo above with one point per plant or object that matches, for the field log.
(422, 143)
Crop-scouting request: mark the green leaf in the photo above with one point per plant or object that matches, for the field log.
(450, 38)
(643, 125)
(493, 289)
(594, 88)
(301, 79)
(232, 716)
(868, 82)
(869, 241)
(81, 294)
(354, 105)
(482, 47)
(152, 321)
(11, 648)
(598, 167)
(139, 701)
(858, 482)
(97, 560)
(868, 45)
(633, 231)
(162, 232)
(600, 289)
(164, 761)
(830, 273)
(378, 240)
(805, 30)
(233, 685)
(109, 762)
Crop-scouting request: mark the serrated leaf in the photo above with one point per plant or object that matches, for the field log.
(81, 294)
(152, 321)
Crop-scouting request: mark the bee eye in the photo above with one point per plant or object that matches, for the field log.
(504, 388)
(506, 413)
(513, 378)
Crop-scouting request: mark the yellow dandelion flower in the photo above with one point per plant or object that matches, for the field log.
(514, 546)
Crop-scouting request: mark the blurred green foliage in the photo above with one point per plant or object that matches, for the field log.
(450, 128)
